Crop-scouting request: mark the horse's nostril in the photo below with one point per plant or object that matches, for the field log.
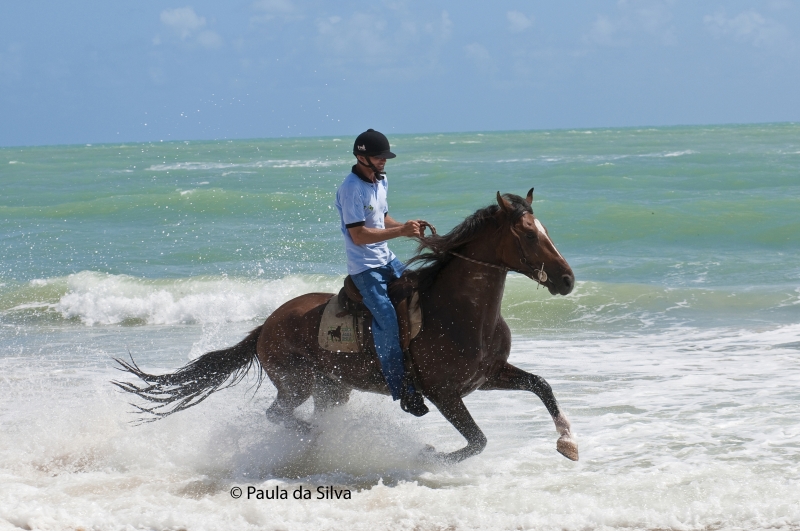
(569, 282)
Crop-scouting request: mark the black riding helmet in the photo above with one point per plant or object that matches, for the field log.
(371, 143)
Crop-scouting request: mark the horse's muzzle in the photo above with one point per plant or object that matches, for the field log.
(564, 286)
(567, 284)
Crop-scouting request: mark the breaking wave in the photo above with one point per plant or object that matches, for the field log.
(195, 166)
(93, 298)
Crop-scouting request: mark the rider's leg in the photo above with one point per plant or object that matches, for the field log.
(373, 284)
(398, 268)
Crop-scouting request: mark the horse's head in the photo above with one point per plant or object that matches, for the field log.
(527, 248)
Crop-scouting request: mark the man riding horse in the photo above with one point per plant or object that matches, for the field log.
(366, 226)
(463, 347)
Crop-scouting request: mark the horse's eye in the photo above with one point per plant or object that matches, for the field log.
(530, 235)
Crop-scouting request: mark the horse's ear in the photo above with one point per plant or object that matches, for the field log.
(503, 203)
(529, 198)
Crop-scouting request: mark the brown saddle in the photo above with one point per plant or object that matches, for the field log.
(404, 295)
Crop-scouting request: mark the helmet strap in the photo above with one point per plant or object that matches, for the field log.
(377, 173)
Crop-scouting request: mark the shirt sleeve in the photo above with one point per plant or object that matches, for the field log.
(352, 207)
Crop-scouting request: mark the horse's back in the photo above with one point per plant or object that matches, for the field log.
(294, 324)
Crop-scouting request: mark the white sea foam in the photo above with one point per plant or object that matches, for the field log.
(96, 298)
(670, 154)
(685, 429)
(205, 166)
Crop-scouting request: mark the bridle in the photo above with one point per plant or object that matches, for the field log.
(540, 276)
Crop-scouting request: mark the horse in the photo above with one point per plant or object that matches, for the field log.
(464, 344)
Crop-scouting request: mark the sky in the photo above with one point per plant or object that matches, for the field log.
(100, 71)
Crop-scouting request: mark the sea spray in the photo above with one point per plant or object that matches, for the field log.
(675, 357)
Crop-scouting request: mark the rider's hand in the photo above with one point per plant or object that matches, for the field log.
(425, 225)
(411, 229)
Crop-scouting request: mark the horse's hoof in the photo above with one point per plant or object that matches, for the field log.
(567, 447)
(429, 455)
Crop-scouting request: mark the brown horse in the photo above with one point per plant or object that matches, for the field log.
(464, 345)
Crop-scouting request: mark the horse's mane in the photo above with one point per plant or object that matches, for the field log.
(433, 252)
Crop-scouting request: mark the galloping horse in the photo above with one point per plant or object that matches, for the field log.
(464, 344)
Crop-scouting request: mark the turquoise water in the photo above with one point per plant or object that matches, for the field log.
(704, 217)
(676, 356)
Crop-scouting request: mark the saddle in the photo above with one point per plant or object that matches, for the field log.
(404, 296)
(345, 324)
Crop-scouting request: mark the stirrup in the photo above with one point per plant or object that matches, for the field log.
(413, 403)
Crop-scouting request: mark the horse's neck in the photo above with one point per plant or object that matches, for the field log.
(471, 284)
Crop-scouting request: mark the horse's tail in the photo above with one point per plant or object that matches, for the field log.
(190, 385)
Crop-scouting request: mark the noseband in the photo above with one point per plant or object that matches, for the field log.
(540, 274)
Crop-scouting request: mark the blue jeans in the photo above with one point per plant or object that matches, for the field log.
(372, 284)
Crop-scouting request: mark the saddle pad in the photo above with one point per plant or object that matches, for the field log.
(337, 334)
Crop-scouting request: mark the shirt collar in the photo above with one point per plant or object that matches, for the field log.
(355, 169)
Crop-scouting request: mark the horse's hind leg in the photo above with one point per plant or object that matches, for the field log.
(282, 412)
(329, 393)
(294, 387)
(511, 378)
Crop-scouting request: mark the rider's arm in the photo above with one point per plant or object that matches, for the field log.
(362, 235)
(390, 223)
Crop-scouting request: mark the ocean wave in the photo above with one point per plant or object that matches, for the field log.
(607, 307)
(93, 299)
(684, 430)
(669, 154)
(102, 299)
(279, 163)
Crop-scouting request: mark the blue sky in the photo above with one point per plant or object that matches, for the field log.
(99, 71)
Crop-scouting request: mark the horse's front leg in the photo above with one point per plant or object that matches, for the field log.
(511, 378)
(454, 410)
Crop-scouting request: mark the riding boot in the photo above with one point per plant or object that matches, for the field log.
(412, 401)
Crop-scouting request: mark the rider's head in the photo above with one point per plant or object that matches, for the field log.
(371, 148)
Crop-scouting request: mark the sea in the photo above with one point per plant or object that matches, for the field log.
(676, 357)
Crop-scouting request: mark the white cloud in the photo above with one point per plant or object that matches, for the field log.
(603, 30)
(11, 62)
(267, 10)
(183, 20)
(633, 19)
(479, 55)
(362, 36)
(747, 26)
(209, 39)
(188, 25)
(400, 44)
(518, 22)
(273, 6)
(446, 27)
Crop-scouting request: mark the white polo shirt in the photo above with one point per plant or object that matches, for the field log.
(361, 202)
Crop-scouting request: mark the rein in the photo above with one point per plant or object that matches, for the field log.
(541, 276)
(487, 264)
